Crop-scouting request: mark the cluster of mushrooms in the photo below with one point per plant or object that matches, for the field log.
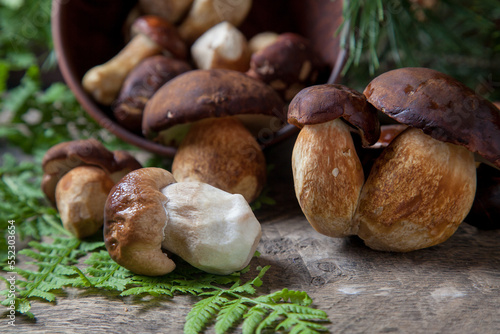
(187, 69)
(421, 178)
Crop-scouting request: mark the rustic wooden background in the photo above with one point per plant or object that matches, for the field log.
(450, 288)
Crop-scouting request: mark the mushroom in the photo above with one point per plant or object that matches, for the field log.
(262, 40)
(222, 46)
(224, 154)
(152, 35)
(140, 84)
(204, 14)
(288, 64)
(201, 94)
(327, 173)
(147, 211)
(170, 10)
(422, 186)
(77, 178)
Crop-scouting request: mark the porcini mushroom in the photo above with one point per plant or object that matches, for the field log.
(204, 14)
(152, 35)
(77, 178)
(288, 64)
(222, 46)
(422, 186)
(224, 154)
(327, 173)
(140, 84)
(147, 211)
(201, 94)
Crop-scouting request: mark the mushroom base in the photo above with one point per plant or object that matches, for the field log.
(328, 177)
(417, 194)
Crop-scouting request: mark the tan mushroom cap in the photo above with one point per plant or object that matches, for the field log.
(162, 33)
(441, 106)
(63, 157)
(323, 103)
(200, 94)
(134, 221)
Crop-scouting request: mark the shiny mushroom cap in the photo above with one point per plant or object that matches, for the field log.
(63, 157)
(201, 94)
(441, 106)
(323, 103)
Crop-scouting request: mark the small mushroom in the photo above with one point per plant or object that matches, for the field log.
(204, 14)
(170, 10)
(422, 186)
(77, 178)
(147, 212)
(327, 173)
(262, 40)
(140, 84)
(224, 154)
(200, 94)
(222, 46)
(288, 65)
(152, 35)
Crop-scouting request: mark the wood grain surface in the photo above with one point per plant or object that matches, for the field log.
(450, 288)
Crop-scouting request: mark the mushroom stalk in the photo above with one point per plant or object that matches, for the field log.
(105, 81)
(328, 177)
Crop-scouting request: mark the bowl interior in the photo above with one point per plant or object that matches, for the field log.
(90, 32)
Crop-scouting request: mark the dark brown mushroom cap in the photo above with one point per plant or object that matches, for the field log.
(63, 157)
(441, 106)
(162, 33)
(134, 222)
(323, 103)
(201, 94)
(140, 84)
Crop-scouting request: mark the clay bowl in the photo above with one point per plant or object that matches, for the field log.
(87, 33)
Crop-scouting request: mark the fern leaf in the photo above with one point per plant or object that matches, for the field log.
(229, 315)
(252, 319)
(146, 290)
(202, 313)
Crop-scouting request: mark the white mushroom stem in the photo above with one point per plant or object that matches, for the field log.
(104, 81)
(204, 14)
(211, 229)
(328, 177)
(222, 46)
(80, 198)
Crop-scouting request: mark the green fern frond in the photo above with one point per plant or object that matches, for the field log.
(229, 315)
(252, 319)
(203, 313)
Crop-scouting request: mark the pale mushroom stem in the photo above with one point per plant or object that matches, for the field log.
(104, 81)
(328, 177)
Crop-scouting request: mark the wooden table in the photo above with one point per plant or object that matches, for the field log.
(450, 288)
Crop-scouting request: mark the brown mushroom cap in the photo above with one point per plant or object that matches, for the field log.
(134, 220)
(162, 33)
(441, 106)
(323, 103)
(63, 157)
(141, 83)
(200, 94)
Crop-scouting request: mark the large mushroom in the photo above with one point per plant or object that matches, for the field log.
(152, 36)
(78, 176)
(423, 185)
(216, 149)
(327, 173)
(148, 212)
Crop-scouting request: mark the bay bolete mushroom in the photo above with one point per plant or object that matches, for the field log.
(140, 84)
(422, 186)
(151, 35)
(77, 178)
(327, 173)
(147, 211)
